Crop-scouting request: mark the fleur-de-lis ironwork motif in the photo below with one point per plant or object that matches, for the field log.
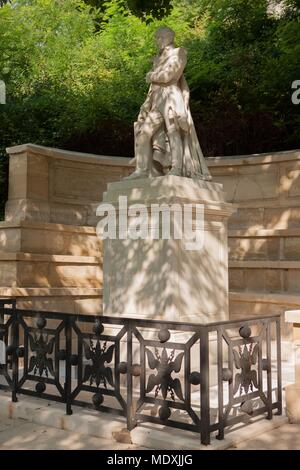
(40, 345)
(244, 359)
(163, 381)
(97, 372)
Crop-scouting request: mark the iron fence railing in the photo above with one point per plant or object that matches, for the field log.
(202, 378)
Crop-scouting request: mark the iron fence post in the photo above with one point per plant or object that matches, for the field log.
(15, 358)
(220, 434)
(130, 411)
(279, 373)
(269, 372)
(68, 372)
(204, 387)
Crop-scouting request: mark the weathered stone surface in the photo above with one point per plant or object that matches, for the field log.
(265, 228)
(52, 185)
(161, 279)
(76, 300)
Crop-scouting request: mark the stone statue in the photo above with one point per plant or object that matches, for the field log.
(165, 137)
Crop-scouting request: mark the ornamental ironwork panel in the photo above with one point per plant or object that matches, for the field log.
(200, 378)
(41, 364)
(8, 346)
(249, 372)
(166, 378)
(99, 362)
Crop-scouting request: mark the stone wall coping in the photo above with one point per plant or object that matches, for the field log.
(253, 296)
(237, 160)
(36, 257)
(292, 316)
(48, 226)
(264, 264)
(255, 159)
(69, 155)
(238, 233)
(264, 297)
(50, 291)
(264, 233)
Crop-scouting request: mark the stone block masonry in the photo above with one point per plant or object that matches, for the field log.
(51, 210)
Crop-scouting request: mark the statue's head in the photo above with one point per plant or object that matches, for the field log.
(164, 37)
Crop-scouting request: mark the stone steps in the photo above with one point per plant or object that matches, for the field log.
(93, 423)
(48, 238)
(40, 270)
(78, 300)
(250, 303)
(267, 245)
(50, 266)
(276, 215)
(264, 271)
(265, 276)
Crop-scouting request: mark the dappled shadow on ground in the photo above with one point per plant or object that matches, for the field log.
(286, 437)
(20, 435)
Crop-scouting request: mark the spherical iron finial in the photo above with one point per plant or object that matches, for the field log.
(164, 335)
(122, 368)
(40, 322)
(245, 331)
(226, 375)
(98, 328)
(136, 370)
(265, 365)
(164, 412)
(62, 354)
(97, 399)
(40, 387)
(195, 378)
(20, 351)
(74, 360)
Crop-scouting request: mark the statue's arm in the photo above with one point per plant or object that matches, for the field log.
(185, 91)
(172, 70)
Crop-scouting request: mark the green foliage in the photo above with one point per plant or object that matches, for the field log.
(156, 8)
(241, 68)
(75, 72)
(141, 8)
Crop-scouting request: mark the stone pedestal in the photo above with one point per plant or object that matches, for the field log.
(159, 278)
(292, 392)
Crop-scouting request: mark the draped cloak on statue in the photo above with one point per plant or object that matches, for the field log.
(169, 96)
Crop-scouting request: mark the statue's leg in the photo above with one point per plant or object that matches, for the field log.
(176, 147)
(143, 144)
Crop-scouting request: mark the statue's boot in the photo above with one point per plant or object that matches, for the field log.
(207, 177)
(138, 174)
(175, 172)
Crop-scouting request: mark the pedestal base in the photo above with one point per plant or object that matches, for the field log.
(160, 278)
(292, 398)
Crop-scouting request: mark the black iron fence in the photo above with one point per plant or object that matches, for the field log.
(202, 378)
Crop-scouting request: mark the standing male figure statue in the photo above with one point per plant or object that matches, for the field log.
(165, 135)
